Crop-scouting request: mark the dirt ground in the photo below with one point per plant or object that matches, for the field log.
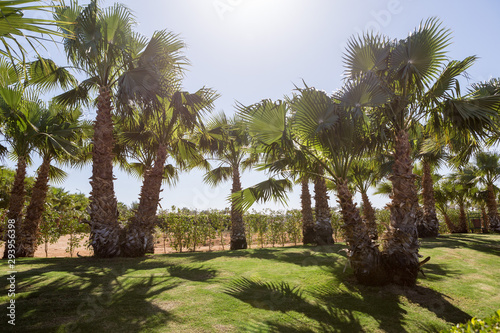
(59, 249)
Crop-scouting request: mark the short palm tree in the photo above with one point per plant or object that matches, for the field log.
(465, 180)
(226, 141)
(433, 155)
(444, 195)
(336, 137)
(488, 171)
(364, 175)
(23, 117)
(154, 138)
(60, 130)
(269, 124)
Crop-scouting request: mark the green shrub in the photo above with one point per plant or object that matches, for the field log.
(475, 325)
(256, 223)
(293, 225)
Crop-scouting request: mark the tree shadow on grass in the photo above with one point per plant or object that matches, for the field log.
(477, 242)
(437, 303)
(86, 295)
(97, 304)
(287, 299)
(192, 273)
(436, 272)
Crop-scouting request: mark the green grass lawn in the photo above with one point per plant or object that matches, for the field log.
(296, 289)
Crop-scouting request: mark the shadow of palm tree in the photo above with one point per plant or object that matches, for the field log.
(100, 303)
(437, 303)
(285, 298)
(199, 273)
(479, 242)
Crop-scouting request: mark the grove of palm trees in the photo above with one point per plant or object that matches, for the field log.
(84, 86)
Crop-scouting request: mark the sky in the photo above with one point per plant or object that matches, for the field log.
(249, 50)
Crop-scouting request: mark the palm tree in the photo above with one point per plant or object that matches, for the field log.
(116, 62)
(400, 83)
(308, 232)
(60, 130)
(226, 142)
(464, 179)
(364, 175)
(323, 226)
(444, 195)
(161, 135)
(336, 137)
(22, 115)
(488, 169)
(432, 154)
(282, 156)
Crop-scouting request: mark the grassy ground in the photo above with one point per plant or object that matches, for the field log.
(297, 289)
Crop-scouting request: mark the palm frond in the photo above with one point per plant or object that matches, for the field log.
(218, 175)
(271, 189)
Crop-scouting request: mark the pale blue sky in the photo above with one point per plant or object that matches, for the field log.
(249, 50)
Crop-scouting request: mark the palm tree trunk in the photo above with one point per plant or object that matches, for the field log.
(485, 218)
(30, 227)
(492, 210)
(308, 234)
(238, 238)
(364, 255)
(401, 241)
(462, 218)
(369, 215)
(323, 226)
(105, 231)
(139, 232)
(451, 227)
(430, 224)
(16, 202)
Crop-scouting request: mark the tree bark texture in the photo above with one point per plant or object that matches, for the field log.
(139, 232)
(30, 228)
(16, 203)
(308, 234)
(238, 238)
(323, 225)
(105, 231)
(491, 204)
(401, 244)
(369, 215)
(429, 226)
(462, 218)
(364, 255)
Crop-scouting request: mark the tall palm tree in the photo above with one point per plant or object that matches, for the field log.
(226, 141)
(113, 58)
(488, 169)
(61, 130)
(400, 83)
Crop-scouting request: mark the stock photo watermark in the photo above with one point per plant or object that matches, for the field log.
(11, 274)
(223, 7)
